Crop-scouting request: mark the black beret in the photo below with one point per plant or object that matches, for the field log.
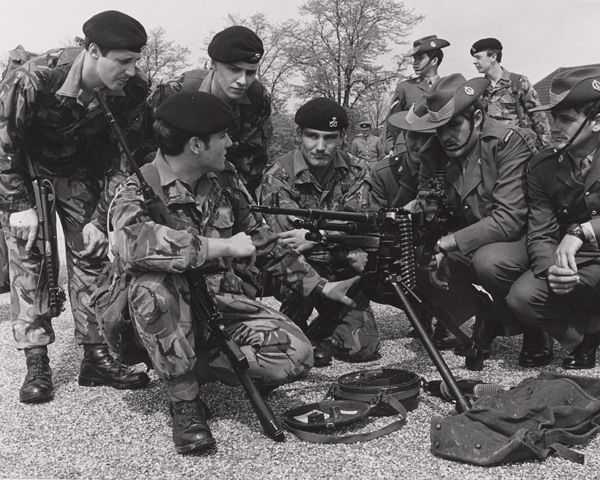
(236, 44)
(486, 44)
(201, 113)
(322, 114)
(112, 29)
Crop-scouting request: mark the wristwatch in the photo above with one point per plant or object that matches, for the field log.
(320, 286)
(577, 231)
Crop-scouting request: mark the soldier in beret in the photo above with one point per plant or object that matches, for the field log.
(483, 162)
(235, 53)
(319, 175)
(203, 192)
(51, 127)
(366, 146)
(427, 56)
(510, 98)
(560, 292)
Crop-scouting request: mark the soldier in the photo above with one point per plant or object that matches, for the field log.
(4, 275)
(427, 56)
(484, 163)
(235, 53)
(318, 175)
(49, 115)
(365, 146)
(203, 192)
(560, 292)
(510, 98)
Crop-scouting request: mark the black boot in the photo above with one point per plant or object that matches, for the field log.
(321, 355)
(190, 430)
(443, 339)
(537, 348)
(99, 368)
(584, 354)
(486, 329)
(37, 386)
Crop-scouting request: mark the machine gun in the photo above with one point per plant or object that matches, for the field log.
(202, 305)
(45, 203)
(387, 237)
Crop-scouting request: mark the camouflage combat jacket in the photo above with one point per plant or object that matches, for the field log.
(290, 182)
(500, 104)
(251, 131)
(218, 208)
(40, 111)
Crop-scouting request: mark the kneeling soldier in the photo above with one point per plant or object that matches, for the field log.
(203, 192)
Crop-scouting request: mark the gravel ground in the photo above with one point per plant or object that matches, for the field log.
(101, 433)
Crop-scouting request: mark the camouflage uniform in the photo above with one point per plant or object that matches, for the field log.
(73, 147)
(356, 334)
(499, 103)
(4, 276)
(251, 131)
(369, 148)
(156, 255)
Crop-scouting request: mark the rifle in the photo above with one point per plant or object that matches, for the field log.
(202, 305)
(387, 237)
(45, 202)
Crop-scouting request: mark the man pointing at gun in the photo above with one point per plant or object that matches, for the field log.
(205, 195)
(52, 130)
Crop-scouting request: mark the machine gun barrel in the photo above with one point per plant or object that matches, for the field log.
(359, 217)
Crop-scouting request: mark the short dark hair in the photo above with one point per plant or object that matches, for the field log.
(171, 140)
(437, 53)
(498, 53)
(591, 108)
(469, 112)
(103, 50)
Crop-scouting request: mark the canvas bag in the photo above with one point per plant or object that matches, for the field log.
(537, 417)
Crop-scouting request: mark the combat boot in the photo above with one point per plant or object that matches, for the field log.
(37, 386)
(321, 355)
(536, 350)
(190, 430)
(98, 368)
(486, 329)
(584, 354)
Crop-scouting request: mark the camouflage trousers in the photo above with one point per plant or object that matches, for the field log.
(354, 332)
(276, 349)
(31, 321)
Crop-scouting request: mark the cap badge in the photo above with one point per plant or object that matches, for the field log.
(432, 44)
(469, 91)
(596, 85)
(333, 123)
(256, 57)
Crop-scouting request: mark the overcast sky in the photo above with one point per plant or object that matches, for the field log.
(538, 35)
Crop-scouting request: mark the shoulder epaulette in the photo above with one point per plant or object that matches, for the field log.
(540, 157)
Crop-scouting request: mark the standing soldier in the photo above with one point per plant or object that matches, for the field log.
(235, 53)
(560, 292)
(510, 97)
(49, 116)
(205, 196)
(427, 56)
(365, 146)
(318, 175)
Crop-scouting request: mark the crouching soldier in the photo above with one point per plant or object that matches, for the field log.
(204, 194)
(560, 292)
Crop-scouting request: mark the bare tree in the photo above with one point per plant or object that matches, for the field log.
(337, 51)
(161, 59)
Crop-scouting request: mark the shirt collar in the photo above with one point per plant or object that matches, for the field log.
(206, 87)
(72, 84)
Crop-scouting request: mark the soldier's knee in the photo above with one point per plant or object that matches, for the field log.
(150, 296)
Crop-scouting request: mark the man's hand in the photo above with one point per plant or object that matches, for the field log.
(439, 275)
(357, 259)
(94, 241)
(337, 291)
(296, 239)
(562, 280)
(565, 253)
(448, 243)
(24, 225)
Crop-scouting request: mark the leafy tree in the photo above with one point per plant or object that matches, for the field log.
(161, 59)
(338, 49)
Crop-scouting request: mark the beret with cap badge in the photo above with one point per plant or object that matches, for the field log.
(113, 29)
(486, 44)
(322, 114)
(236, 44)
(201, 113)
